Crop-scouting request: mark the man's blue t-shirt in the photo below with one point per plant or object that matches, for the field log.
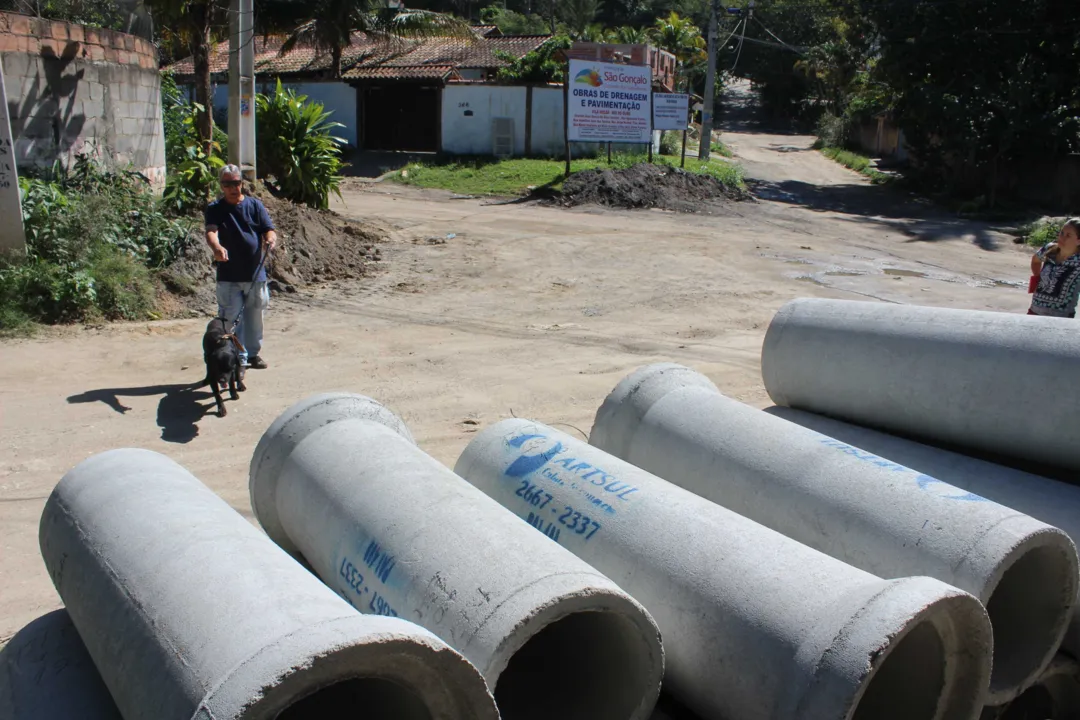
(240, 228)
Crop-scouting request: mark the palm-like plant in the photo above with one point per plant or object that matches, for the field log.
(627, 35)
(579, 14)
(680, 37)
(593, 32)
(334, 21)
(297, 147)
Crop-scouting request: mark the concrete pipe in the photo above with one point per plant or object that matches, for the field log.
(755, 625)
(189, 612)
(955, 377)
(874, 514)
(338, 480)
(46, 674)
(1052, 502)
(1056, 696)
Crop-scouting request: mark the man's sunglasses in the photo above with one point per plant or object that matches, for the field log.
(230, 183)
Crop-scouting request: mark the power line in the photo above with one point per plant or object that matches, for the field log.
(777, 38)
(742, 38)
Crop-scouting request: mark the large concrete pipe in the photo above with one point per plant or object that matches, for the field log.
(190, 613)
(1053, 502)
(983, 380)
(874, 514)
(46, 674)
(1056, 696)
(337, 480)
(755, 625)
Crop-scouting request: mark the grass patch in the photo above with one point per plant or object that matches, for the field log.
(721, 149)
(517, 176)
(14, 323)
(854, 161)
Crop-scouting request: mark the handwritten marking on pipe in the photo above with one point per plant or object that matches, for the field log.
(929, 484)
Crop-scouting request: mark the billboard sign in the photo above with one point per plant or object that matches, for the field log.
(609, 103)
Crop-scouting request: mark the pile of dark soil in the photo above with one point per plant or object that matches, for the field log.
(646, 186)
(314, 246)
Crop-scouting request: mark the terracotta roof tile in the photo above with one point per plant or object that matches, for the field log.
(367, 58)
(428, 72)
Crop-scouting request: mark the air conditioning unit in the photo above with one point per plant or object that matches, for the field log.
(502, 137)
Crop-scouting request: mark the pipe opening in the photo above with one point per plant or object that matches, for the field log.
(1035, 702)
(1028, 613)
(587, 666)
(909, 683)
(367, 697)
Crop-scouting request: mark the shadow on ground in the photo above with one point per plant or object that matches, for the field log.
(919, 220)
(373, 163)
(181, 406)
(882, 205)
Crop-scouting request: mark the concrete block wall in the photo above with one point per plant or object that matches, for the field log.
(74, 89)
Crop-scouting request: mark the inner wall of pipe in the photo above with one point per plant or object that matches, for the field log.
(359, 697)
(909, 683)
(586, 666)
(1027, 612)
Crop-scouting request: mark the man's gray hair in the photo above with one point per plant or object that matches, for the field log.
(230, 170)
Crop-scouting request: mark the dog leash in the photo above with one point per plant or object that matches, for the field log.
(244, 297)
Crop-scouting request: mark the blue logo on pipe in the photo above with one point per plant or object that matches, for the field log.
(526, 464)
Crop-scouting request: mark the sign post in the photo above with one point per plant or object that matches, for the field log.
(12, 236)
(566, 109)
(682, 159)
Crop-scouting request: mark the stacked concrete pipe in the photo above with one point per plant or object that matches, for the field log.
(1053, 502)
(755, 625)
(46, 674)
(338, 481)
(1056, 696)
(875, 514)
(190, 613)
(983, 380)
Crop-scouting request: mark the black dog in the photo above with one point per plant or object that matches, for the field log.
(221, 351)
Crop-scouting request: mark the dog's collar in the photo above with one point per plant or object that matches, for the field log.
(235, 341)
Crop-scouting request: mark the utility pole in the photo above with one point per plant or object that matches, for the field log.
(705, 143)
(242, 86)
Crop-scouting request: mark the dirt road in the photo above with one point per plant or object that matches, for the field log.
(531, 310)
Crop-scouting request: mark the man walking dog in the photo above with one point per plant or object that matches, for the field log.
(241, 235)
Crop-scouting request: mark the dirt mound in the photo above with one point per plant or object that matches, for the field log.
(646, 186)
(313, 246)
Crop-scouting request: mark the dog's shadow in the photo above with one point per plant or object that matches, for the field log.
(178, 412)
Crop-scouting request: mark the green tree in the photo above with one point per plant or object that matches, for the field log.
(334, 21)
(193, 24)
(592, 33)
(579, 14)
(981, 86)
(543, 65)
(680, 37)
(513, 23)
(628, 35)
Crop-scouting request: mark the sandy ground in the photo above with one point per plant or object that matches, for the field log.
(528, 310)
